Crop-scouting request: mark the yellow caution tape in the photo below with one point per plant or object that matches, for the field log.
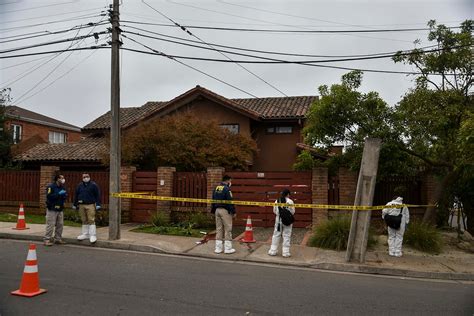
(149, 196)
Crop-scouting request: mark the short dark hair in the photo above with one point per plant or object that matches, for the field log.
(226, 177)
(285, 193)
(57, 176)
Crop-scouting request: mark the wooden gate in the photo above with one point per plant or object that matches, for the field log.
(143, 181)
(189, 185)
(266, 187)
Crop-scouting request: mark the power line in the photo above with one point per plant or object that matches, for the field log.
(216, 28)
(278, 62)
(300, 61)
(11, 29)
(51, 15)
(34, 8)
(220, 52)
(46, 33)
(102, 46)
(262, 51)
(155, 52)
(51, 43)
(23, 63)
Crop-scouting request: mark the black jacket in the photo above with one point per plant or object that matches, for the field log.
(222, 192)
(87, 193)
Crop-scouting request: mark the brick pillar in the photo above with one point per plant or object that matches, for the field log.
(164, 187)
(214, 177)
(46, 177)
(347, 187)
(319, 188)
(126, 185)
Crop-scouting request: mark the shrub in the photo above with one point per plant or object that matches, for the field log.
(334, 233)
(72, 215)
(102, 218)
(201, 220)
(423, 237)
(159, 219)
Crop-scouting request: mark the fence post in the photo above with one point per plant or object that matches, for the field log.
(214, 177)
(164, 187)
(319, 189)
(126, 183)
(46, 177)
(347, 188)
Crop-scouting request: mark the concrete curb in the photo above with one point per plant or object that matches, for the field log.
(340, 267)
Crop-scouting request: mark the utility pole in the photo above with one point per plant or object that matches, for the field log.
(115, 156)
(359, 233)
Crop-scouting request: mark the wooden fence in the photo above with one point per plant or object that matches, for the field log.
(20, 186)
(189, 185)
(143, 181)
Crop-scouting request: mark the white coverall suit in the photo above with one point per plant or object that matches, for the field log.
(395, 236)
(284, 230)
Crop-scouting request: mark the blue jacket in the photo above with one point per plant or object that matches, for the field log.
(54, 200)
(222, 192)
(87, 193)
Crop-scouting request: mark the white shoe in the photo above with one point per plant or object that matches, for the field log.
(272, 252)
(92, 233)
(85, 233)
(228, 247)
(218, 246)
(286, 255)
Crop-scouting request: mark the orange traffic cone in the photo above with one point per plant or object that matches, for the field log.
(21, 224)
(30, 281)
(248, 237)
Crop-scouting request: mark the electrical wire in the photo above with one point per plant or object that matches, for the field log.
(220, 52)
(11, 29)
(155, 52)
(55, 51)
(34, 8)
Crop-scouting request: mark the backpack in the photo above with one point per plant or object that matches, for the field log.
(285, 215)
(393, 221)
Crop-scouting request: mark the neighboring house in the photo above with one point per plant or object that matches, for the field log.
(31, 128)
(275, 124)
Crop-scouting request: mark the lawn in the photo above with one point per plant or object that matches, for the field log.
(169, 230)
(32, 219)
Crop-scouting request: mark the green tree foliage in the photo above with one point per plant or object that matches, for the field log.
(5, 135)
(187, 143)
(434, 118)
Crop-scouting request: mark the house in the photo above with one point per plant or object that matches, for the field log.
(31, 128)
(275, 123)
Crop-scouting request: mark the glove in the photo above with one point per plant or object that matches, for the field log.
(62, 192)
(97, 207)
(74, 207)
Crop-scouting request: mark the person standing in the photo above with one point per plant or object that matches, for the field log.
(87, 200)
(281, 229)
(224, 214)
(55, 196)
(395, 236)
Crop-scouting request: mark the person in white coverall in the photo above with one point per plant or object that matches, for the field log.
(395, 236)
(280, 229)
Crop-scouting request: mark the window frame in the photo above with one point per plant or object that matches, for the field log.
(17, 139)
(224, 126)
(54, 134)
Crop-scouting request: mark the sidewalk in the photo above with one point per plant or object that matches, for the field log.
(450, 265)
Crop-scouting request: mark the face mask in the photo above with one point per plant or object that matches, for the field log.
(62, 181)
(87, 179)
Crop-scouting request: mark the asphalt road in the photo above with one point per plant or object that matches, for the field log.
(91, 281)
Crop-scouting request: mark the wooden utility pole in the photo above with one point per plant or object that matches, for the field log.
(115, 159)
(359, 233)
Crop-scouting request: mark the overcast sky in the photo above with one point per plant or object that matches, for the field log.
(75, 87)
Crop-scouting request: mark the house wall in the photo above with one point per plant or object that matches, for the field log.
(29, 130)
(277, 152)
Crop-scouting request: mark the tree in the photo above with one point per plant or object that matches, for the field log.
(5, 135)
(187, 143)
(434, 117)
(344, 115)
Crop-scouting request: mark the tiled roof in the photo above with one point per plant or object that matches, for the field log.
(16, 112)
(264, 108)
(88, 149)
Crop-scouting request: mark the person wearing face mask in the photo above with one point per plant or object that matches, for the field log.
(55, 196)
(87, 200)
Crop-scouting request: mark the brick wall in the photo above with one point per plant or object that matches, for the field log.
(319, 188)
(164, 187)
(126, 185)
(214, 177)
(347, 189)
(46, 177)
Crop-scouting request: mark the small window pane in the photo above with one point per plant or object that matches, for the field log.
(284, 129)
(270, 130)
(57, 138)
(233, 128)
(16, 129)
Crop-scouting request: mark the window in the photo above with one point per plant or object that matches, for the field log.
(279, 130)
(16, 133)
(57, 138)
(233, 128)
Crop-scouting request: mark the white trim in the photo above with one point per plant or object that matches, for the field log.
(31, 255)
(21, 216)
(31, 269)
